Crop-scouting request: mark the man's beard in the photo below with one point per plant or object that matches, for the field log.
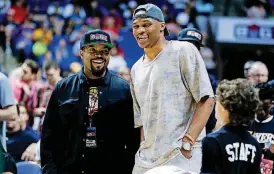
(95, 71)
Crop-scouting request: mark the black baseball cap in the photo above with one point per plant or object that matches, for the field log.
(191, 34)
(96, 37)
(150, 11)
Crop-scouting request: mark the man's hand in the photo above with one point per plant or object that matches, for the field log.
(30, 153)
(186, 153)
(200, 116)
(8, 113)
(39, 111)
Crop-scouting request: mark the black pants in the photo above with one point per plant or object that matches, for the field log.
(105, 161)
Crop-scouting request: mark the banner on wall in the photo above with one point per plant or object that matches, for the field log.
(244, 31)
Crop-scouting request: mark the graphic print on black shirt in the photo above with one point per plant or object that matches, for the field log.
(263, 131)
(231, 150)
(93, 101)
(91, 141)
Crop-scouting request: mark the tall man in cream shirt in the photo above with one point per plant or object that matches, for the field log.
(172, 95)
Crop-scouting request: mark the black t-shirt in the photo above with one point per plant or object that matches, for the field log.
(97, 153)
(231, 150)
(263, 131)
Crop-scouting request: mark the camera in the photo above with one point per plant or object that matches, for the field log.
(266, 90)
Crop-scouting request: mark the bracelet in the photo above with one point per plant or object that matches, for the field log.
(192, 141)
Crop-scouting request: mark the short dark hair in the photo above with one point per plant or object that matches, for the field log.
(32, 65)
(18, 105)
(264, 109)
(50, 64)
(240, 99)
(18, 109)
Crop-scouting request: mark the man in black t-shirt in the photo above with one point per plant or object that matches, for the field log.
(262, 127)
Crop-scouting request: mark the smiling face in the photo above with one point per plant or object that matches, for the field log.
(95, 58)
(147, 31)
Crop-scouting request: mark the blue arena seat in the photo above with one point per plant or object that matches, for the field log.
(26, 167)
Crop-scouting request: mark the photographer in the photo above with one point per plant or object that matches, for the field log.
(263, 126)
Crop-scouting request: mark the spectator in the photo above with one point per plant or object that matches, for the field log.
(257, 11)
(30, 152)
(52, 71)
(110, 26)
(22, 79)
(257, 8)
(195, 37)
(247, 66)
(23, 40)
(7, 113)
(18, 12)
(258, 73)
(19, 140)
(262, 127)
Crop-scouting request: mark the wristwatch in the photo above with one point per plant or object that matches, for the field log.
(186, 146)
